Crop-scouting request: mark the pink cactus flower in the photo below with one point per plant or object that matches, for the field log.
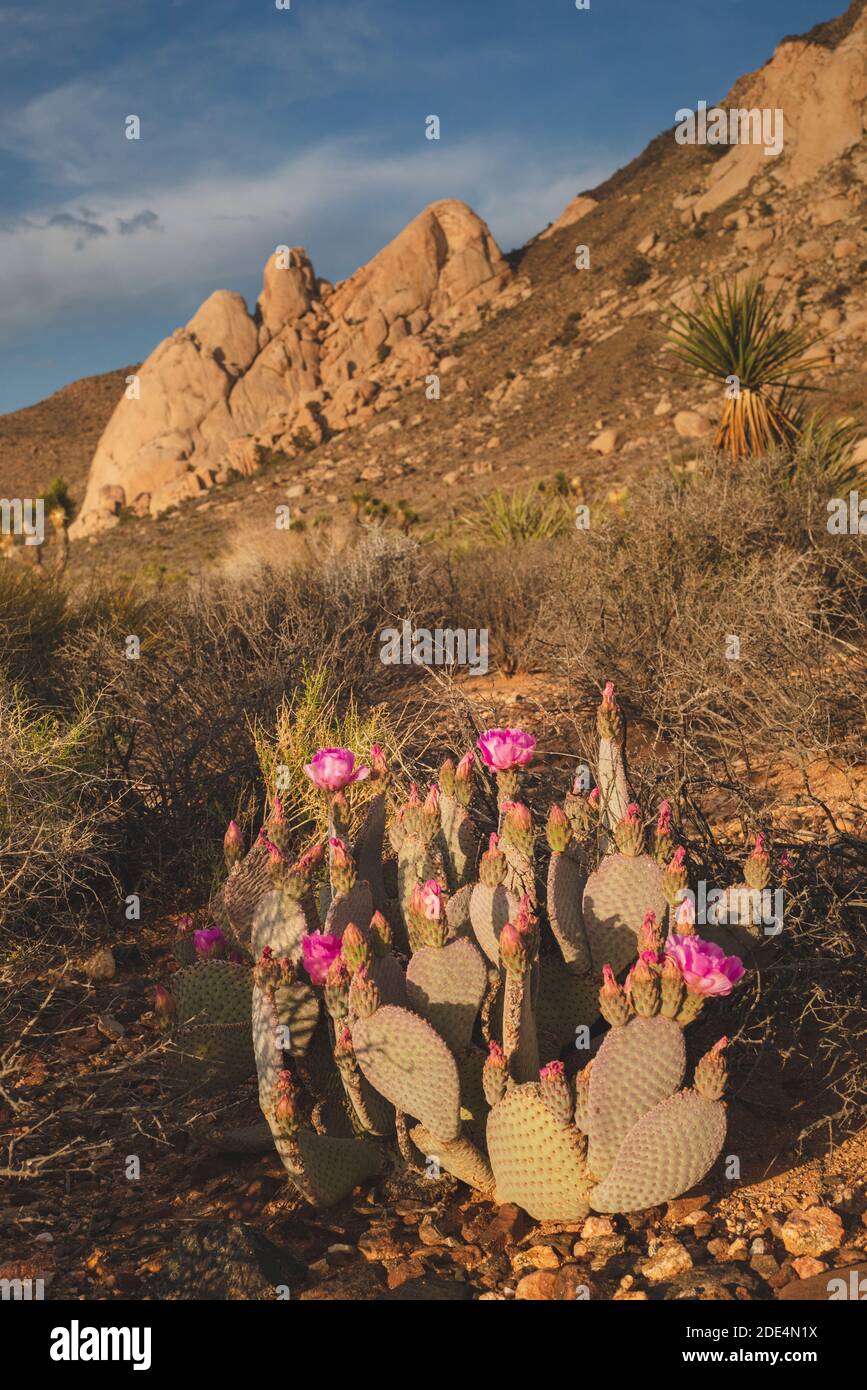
(633, 814)
(332, 769)
(493, 843)
(209, 943)
(705, 968)
(318, 954)
(495, 1051)
(594, 798)
(551, 1071)
(503, 749)
(608, 693)
(432, 801)
(684, 917)
(678, 858)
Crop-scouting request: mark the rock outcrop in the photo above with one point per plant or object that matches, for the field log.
(215, 397)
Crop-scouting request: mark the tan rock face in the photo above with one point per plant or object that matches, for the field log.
(822, 93)
(314, 358)
(573, 212)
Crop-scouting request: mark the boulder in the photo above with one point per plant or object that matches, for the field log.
(691, 425)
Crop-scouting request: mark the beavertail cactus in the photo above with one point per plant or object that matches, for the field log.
(413, 998)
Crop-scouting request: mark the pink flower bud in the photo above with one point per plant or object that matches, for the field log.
(464, 769)
(663, 824)
(233, 844)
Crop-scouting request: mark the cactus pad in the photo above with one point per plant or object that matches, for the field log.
(368, 849)
(298, 1011)
(279, 922)
(490, 910)
(616, 897)
(213, 991)
(461, 1158)
(458, 841)
(406, 1060)
(387, 974)
(638, 1065)
(566, 999)
(458, 911)
(666, 1153)
(474, 1106)
(446, 984)
(245, 887)
(329, 1168)
(566, 877)
(211, 1056)
(355, 906)
(537, 1163)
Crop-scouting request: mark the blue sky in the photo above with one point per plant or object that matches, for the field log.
(262, 126)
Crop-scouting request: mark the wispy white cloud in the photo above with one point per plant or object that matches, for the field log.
(309, 200)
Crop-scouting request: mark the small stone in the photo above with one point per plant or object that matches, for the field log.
(676, 1212)
(813, 1231)
(806, 1266)
(765, 1266)
(537, 1257)
(739, 1249)
(403, 1271)
(689, 424)
(606, 442)
(509, 1224)
(595, 1227)
(670, 1260)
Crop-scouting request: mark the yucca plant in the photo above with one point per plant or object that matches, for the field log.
(513, 518)
(738, 333)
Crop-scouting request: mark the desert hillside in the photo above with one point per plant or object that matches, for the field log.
(323, 392)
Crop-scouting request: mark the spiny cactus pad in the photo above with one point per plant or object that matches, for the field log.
(461, 1158)
(368, 850)
(213, 991)
(458, 911)
(638, 1065)
(330, 1168)
(613, 786)
(245, 887)
(298, 1011)
(666, 1153)
(408, 1062)
(566, 1000)
(211, 1055)
(537, 1163)
(445, 984)
(566, 877)
(490, 910)
(474, 1106)
(459, 842)
(616, 898)
(279, 922)
(387, 974)
(355, 906)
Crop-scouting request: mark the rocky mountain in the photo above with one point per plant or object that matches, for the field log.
(542, 366)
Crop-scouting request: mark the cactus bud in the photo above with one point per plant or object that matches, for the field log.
(284, 1105)
(494, 1074)
(355, 947)
(165, 1008)
(594, 801)
(344, 1052)
(672, 988)
(464, 779)
(517, 826)
(614, 1006)
(642, 986)
(684, 915)
(557, 1092)
(609, 720)
(757, 869)
(336, 990)
(266, 971)
(278, 831)
(492, 869)
(447, 777)
(381, 935)
(650, 935)
(343, 872)
(378, 765)
(233, 844)
(691, 1007)
(710, 1072)
(578, 810)
(363, 994)
(513, 950)
(558, 830)
(675, 877)
(663, 845)
(338, 814)
(629, 833)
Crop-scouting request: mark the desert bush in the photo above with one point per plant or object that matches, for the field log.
(515, 518)
(59, 812)
(33, 616)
